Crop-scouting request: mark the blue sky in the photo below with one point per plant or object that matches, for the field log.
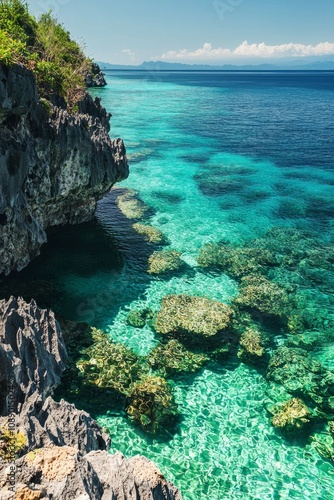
(197, 31)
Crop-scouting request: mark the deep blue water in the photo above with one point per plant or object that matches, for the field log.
(216, 156)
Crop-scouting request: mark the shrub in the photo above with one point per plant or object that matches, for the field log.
(12, 444)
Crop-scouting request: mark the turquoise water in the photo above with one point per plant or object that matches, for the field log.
(216, 157)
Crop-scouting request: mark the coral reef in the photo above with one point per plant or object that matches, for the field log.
(165, 261)
(292, 417)
(252, 346)
(172, 357)
(108, 364)
(263, 298)
(138, 319)
(151, 233)
(197, 316)
(131, 206)
(236, 261)
(302, 375)
(151, 403)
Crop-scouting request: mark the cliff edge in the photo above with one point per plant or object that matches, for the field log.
(54, 164)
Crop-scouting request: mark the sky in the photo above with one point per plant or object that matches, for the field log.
(197, 31)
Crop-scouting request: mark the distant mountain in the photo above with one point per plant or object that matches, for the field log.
(165, 66)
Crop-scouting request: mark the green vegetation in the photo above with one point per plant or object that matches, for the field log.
(12, 444)
(45, 47)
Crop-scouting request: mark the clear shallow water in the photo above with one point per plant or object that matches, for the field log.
(216, 156)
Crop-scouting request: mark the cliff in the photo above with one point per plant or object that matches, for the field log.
(62, 452)
(54, 165)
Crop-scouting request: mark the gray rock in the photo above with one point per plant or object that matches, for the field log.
(63, 473)
(65, 456)
(54, 165)
(96, 77)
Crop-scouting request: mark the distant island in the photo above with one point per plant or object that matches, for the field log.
(324, 65)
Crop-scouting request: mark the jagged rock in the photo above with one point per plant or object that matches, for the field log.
(33, 356)
(32, 352)
(62, 450)
(63, 473)
(96, 77)
(54, 165)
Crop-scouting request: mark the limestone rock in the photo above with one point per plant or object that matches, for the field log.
(54, 165)
(64, 449)
(63, 473)
(96, 77)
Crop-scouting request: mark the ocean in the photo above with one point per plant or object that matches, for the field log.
(217, 156)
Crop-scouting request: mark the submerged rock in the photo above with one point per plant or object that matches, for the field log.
(292, 417)
(151, 234)
(252, 346)
(197, 316)
(54, 165)
(164, 262)
(303, 376)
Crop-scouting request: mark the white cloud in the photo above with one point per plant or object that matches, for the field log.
(284, 50)
(207, 52)
(129, 53)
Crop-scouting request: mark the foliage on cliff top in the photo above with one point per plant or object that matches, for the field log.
(45, 47)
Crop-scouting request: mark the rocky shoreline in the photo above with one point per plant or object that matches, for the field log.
(54, 166)
(63, 451)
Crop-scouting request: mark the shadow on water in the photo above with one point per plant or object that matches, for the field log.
(88, 271)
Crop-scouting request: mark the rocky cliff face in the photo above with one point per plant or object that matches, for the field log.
(54, 165)
(65, 454)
